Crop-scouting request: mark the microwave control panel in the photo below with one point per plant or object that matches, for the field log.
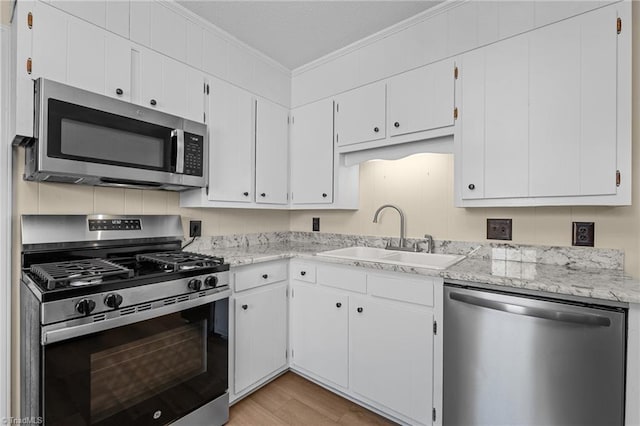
(193, 154)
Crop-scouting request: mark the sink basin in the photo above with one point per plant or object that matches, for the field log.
(372, 254)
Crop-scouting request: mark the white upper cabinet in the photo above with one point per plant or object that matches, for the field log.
(312, 153)
(49, 51)
(422, 99)
(231, 139)
(168, 31)
(272, 146)
(117, 19)
(171, 86)
(544, 116)
(85, 57)
(117, 68)
(94, 11)
(573, 107)
(360, 115)
(494, 120)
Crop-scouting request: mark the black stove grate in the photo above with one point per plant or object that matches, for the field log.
(77, 272)
(178, 260)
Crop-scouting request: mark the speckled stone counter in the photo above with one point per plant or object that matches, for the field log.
(582, 272)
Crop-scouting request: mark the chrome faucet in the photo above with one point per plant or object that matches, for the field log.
(402, 237)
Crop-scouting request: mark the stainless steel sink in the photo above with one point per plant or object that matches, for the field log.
(414, 259)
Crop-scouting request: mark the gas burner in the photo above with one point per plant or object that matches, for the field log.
(180, 260)
(78, 272)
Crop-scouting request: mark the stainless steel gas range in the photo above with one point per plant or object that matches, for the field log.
(119, 326)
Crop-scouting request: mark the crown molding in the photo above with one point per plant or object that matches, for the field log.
(219, 32)
(386, 32)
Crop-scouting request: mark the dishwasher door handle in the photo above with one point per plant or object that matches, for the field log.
(548, 314)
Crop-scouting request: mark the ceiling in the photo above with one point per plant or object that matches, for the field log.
(296, 32)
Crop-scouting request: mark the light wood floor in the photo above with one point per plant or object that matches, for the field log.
(293, 400)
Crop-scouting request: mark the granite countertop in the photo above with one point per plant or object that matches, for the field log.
(598, 279)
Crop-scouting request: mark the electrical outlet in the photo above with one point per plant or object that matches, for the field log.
(583, 234)
(499, 229)
(316, 224)
(195, 228)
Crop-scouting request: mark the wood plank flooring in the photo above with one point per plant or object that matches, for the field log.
(293, 400)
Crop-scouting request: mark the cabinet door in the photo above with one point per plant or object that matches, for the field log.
(472, 115)
(260, 336)
(272, 170)
(391, 356)
(49, 43)
(319, 332)
(118, 67)
(573, 107)
(421, 99)
(312, 153)
(506, 119)
(150, 79)
(360, 115)
(174, 87)
(86, 56)
(231, 138)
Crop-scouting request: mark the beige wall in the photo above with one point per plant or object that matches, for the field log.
(5, 11)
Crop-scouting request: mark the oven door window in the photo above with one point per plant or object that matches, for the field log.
(147, 373)
(79, 133)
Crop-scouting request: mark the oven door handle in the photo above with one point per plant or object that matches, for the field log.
(178, 136)
(59, 332)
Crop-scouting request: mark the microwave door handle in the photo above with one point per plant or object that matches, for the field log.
(178, 134)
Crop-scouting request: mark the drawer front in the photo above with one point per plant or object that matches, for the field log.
(252, 276)
(418, 291)
(303, 272)
(343, 278)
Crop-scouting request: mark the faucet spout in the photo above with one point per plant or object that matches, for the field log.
(402, 234)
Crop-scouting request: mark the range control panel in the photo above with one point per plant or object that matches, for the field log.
(114, 224)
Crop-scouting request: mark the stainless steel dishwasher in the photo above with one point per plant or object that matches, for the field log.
(521, 360)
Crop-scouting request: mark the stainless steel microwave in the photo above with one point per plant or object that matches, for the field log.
(86, 138)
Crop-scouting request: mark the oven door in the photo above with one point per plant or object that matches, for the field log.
(149, 372)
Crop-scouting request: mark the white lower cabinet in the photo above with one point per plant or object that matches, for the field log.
(319, 332)
(260, 332)
(391, 355)
(375, 343)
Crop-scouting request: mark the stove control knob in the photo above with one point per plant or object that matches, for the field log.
(195, 284)
(211, 281)
(85, 306)
(113, 300)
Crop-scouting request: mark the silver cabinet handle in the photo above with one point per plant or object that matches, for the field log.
(178, 136)
(552, 315)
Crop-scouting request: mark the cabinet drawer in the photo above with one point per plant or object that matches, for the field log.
(258, 275)
(419, 291)
(303, 272)
(344, 278)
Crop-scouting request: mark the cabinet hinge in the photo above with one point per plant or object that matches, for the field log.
(617, 177)
(455, 73)
(30, 20)
(206, 189)
(286, 354)
(619, 25)
(29, 65)
(433, 414)
(337, 138)
(204, 117)
(207, 88)
(291, 353)
(455, 113)
(292, 293)
(435, 327)
(337, 107)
